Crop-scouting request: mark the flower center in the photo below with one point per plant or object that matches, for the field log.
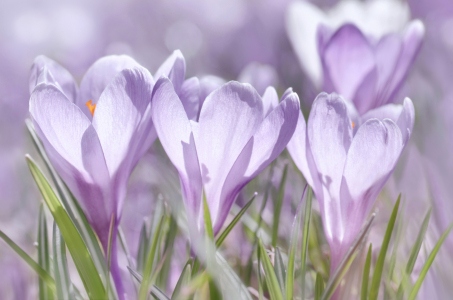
(92, 107)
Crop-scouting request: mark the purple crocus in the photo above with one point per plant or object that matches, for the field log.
(238, 133)
(95, 135)
(347, 161)
(366, 71)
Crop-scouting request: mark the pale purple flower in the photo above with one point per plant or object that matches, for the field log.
(366, 71)
(95, 135)
(347, 162)
(236, 136)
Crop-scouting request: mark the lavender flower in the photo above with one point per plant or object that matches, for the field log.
(347, 162)
(236, 136)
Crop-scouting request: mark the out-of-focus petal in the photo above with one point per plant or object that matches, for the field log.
(270, 100)
(365, 95)
(228, 119)
(98, 76)
(190, 97)
(175, 133)
(389, 111)
(260, 76)
(174, 67)
(265, 145)
(59, 75)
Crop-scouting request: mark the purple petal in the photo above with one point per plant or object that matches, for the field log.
(365, 95)
(389, 111)
(57, 75)
(99, 76)
(406, 119)
(270, 100)
(330, 134)
(190, 97)
(174, 67)
(371, 159)
(259, 76)
(228, 119)
(175, 133)
(288, 92)
(347, 59)
(265, 145)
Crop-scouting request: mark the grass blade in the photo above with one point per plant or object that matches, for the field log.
(168, 249)
(319, 286)
(233, 223)
(43, 254)
(377, 275)
(207, 219)
(183, 280)
(271, 279)
(366, 275)
(418, 244)
(35, 266)
(109, 253)
(292, 249)
(141, 255)
(79, 252)
(305, 238)
(155, 291)
(143, 293)
(60, 266)
(279, 269)
(278, 206)
(428, 264)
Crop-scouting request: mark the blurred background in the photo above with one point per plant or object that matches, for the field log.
(244, 40)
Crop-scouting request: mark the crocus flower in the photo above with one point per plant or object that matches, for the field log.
(347, 162)
(236, 136)
(95, 135)
(375, 18)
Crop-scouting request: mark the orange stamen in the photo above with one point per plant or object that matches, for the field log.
(92, 107)
(353, 125)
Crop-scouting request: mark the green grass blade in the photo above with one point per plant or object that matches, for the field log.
(109, 253)
(35, 266)
(43, 254)
(292, 249)
(155, 291)
(60, 265)
(279, 269)
(379, 268)
(428, 264)
(144, 287)
(183, 280)
(418, 244)
(278, 206)
(271, 279)
(319, 286)
(260, 282)
(207, 219)
(305, 239)
(168, 249)
(366, 275)
(77, 248)
(233, 223)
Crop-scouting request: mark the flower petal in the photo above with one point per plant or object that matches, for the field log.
(59, 76)
(265, 145)
(208, 84)
(190, 97)
(389, 111)
(98, 76)
(260, 76)
(175, 133)
(270, 100)
(228, 119)
(406, 119)
(174, 67)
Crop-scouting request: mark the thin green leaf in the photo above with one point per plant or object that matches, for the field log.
(366, 275)
(271, 279)
(35, 266)
(279, 269)
(418, 243)
(428, 264)
(43, 254)
(109, 253)
(319, 286)
(207, 219)
(377, 275)
(60, 266)
(233, 223)
(149, 263)
(260, 282)
(292, 249)
(168, 249)
(347, 260)
(305, 238)
(278, 206)
(183, 280)
(143, 242)
(196, 266)
(77, 248)
(155, 291)
(214, 292)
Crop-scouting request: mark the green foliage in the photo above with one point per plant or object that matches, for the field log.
(305, 239)
(60, 265)
(366, 275)
(319, 286)
(278, 207)
(270, 277)
(43, 254)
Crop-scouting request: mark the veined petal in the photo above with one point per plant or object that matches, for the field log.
(347, 59)
(174, 67)
(120, 111)
(265, 145)
(230, 116)
(175, 133)
(98, 76)
(371, 159)
(270, 100)
(190, 97)
(58, 76)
